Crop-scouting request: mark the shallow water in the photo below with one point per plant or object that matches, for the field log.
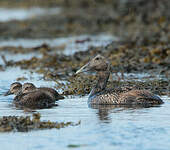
(70, 44)
(22, 14)
(104, 128)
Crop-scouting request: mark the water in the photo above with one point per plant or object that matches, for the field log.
(23, 14)
(115, 128)
(69, 43)
(104, 128)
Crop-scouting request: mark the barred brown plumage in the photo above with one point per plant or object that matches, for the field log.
(99, 95)
(28, 95)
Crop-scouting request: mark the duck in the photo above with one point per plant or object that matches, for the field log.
(15, 88)
(100, 95)
(27, 87)
(35, 98)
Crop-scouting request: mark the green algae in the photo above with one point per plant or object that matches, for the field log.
(25, 124)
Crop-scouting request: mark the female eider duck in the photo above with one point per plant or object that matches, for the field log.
(35, 98)
(49, 91)
(15, 88)
(99, 95)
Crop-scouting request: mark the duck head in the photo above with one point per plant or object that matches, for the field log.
(97, 64)
(28, 87)
(15, 88)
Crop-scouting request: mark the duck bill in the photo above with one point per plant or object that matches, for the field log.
(8, 93)
(85, 68)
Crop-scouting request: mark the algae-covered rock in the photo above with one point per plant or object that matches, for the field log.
(25, 124)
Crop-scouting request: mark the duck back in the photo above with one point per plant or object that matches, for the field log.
(34, 100)
(125, 97)
(51, 92)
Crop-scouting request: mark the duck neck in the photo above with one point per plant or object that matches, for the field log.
(102, 79)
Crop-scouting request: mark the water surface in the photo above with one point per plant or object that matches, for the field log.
(71, 44)
(23, 14)
(104, 128)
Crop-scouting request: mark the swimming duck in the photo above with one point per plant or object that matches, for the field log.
(99, 95)
(14, 89)
(35, 98)
(27, 87)
(17, 88)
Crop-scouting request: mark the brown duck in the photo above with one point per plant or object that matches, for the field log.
(35, 98)
(15, 88)
(99, 95)
(27, 87)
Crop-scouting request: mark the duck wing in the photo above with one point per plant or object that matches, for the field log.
(51, 92)
(125, 97)
(139, 97)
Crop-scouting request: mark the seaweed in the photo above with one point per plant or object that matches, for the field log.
(25, 124)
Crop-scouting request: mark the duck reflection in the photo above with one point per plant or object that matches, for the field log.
(104, 111)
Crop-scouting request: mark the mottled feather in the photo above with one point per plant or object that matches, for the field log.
(34, 100)
(125, 95)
